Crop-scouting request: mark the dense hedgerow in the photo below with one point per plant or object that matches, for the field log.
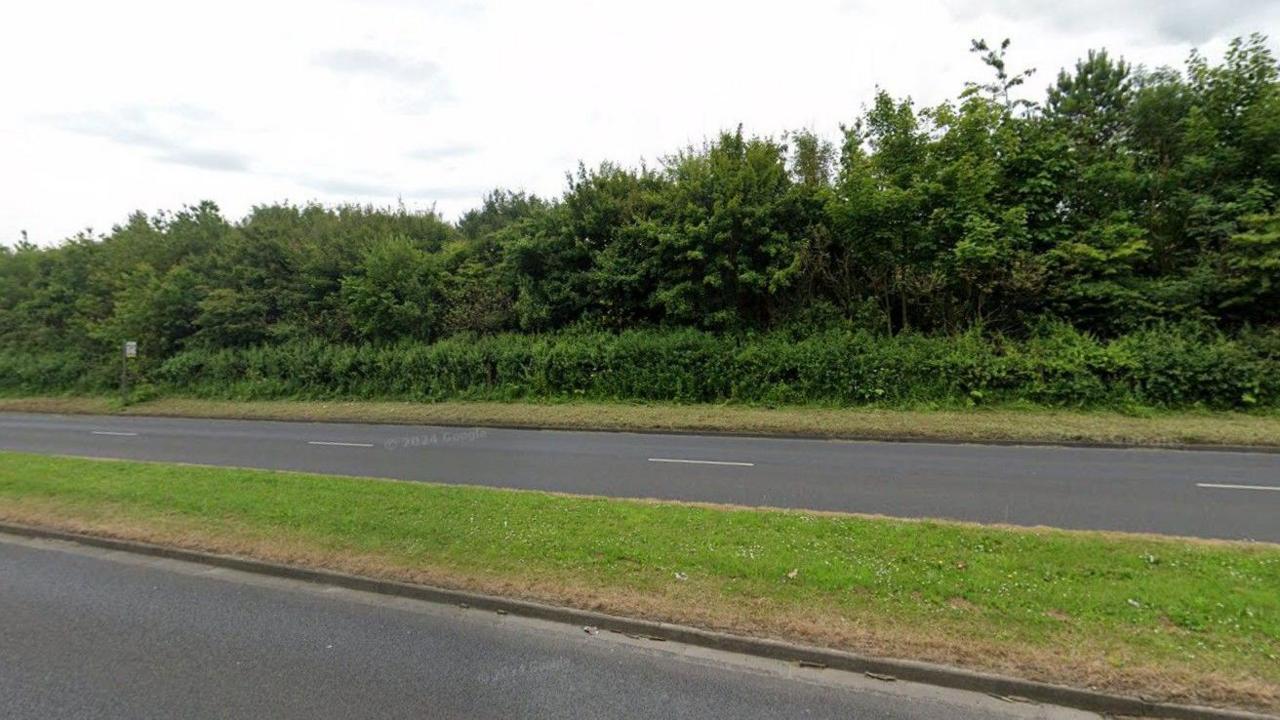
(1173, 367)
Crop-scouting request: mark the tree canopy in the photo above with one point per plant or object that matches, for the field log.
(1122, 198)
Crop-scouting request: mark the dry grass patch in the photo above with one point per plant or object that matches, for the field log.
(67, 405)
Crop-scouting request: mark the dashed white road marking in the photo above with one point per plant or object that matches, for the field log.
(702, 462)
(339, 444)
(1224, 486)
(109, 432)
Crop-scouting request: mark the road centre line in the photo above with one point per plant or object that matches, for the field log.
(701, 462)
(1225, 486)
(109, 432)
(339, 444)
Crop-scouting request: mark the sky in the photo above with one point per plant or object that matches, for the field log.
(107, 108)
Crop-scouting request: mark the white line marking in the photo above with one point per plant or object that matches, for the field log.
(339, 444)
(702, 462)
(108, 432)
(1237, 487)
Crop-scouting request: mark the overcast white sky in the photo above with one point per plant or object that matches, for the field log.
(110, 107)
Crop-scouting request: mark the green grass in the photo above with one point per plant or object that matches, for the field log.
(1011, 424)
(1187, 620)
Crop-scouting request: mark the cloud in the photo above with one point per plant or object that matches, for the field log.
(206, 159)
(159, 129)
(359, 188)
(443, 152)
(339, 186)
(1181, 21)
(462, 9)
(420, 85)
(379, 64)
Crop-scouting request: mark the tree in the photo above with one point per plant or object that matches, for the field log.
(499, 209)
(156, 310)
(1092, 104)
(1253, 267)
(999, 88)
(393, 293)
(727, 237)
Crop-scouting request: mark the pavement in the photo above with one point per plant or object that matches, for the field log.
(93, 633)
(1213, 494)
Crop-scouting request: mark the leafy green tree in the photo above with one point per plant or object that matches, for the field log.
(394, 292)
(228, 318)
(1000, 87)
(499, 209)
(727, 234)
(158, 311)
(1253, 267)
(548, 268)
(1092, 104)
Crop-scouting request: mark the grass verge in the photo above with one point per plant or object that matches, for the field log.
(974, 425)
(1190, 621)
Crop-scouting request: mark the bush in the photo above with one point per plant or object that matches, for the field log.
(1177, 366)
(56, 373)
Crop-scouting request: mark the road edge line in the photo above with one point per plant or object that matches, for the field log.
(906, 670)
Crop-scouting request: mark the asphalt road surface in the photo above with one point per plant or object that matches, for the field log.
(1197, 493)
(90, 633)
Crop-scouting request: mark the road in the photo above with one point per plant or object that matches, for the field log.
(1234, 495)
(89, 633)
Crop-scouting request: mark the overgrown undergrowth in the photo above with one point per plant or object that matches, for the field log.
(1174, 367)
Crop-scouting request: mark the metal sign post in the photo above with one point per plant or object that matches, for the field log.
(130, 349)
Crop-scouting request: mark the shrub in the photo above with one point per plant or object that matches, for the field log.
(1176, 366)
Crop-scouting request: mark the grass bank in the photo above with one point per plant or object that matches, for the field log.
(973, 425)
(1174, 619)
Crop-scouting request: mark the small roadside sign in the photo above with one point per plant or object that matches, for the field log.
(130, 350)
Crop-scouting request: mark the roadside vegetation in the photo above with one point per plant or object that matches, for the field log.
(1056, 366)
(1179, 619)
(1111, 243)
